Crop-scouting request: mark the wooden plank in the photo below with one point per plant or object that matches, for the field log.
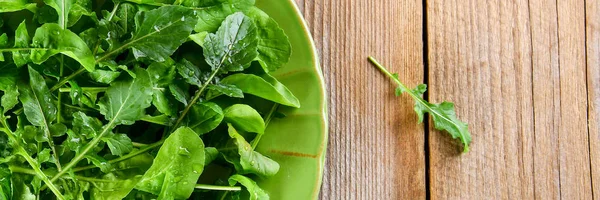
(480, 58)
(376, 148)
(575, 181)
(593, 85)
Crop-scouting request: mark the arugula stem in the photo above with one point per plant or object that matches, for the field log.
(417, 98)
(67, 79)
(139, 145)
(21, 170)
(267, 121)
(84, 89)
(196, 98)
(32, 162)
(126, 157)
(218, 187)
(114, 11)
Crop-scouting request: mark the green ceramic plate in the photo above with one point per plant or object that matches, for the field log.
(298, 141)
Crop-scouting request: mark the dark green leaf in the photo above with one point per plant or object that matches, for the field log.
(51, 39)
(104, 76)
(162, 73)
(37, 102)
(164, 102)
(179, 92)
(234, 45)
(265, 87)
(190, 73)
(126, 17)
(22, 40)
(125, 101)
(274, 48)
(8, 84)
(177, 166)
(119, 144)
(88, 127)
(244, 118)
(256, 193)
(212, 13)
(248, 161)
(160, 32)
(227, 89)
(204, 117)
(5, 184)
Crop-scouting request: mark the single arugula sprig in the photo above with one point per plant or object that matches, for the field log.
(444, 115)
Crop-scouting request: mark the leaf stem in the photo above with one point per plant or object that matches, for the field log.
(195, 99)
(128, 156)
(267, 121)
(38, 172)
(218, 187)
(85, 89)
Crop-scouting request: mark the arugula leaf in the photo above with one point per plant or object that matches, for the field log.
(265, 87)
(111, 187)
(233, 46)
(22, 40)
(212, 13)
(125, 101)
(177, 167)
(104, 76)
(190, 73)
(444, 116)
(119, 144)
(256, 193)
(245, 118)
(88, 127)
(226, 89)
(248, 161)
(62, 7)
(211, 154)
(274, 47)
(5, 184)
(8, 84)
(159, 33)
(16, 5)
(78, 9)
(51, 39)
(204, 117)
(163, 74)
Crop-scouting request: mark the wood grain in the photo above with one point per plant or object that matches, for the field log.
(593, 85)
(479, 58)
(376, 147)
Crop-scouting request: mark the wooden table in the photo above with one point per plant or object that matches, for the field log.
(525, 75)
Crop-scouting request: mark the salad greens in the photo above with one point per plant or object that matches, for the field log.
(137, 99)
(443, 115)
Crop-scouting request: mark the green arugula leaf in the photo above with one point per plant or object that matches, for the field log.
(190, 73)
(234, 45)
(119, 144)
(22, 40)
(256, 193)
(20, 189)
(104, 76)
(62, 7)
(87, 127)
(16, 5)
(99, 162)
(274, 48)
(159, 33)
(177, 167)
(162, 75)
(444, 116)
(245, 118)
(265, 87)
(78, 9)
(226, 89)
(212, 13)
(125, 101)
(126, 17)
(248, 161)
(8, 84)
(204, 117)
(111, 187)
(211, 154)
(51, 39)
(5, 184)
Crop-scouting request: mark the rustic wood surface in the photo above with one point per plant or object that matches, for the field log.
(525, 75)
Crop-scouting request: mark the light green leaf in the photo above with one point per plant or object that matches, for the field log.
(212, 13)
(245, 118)
(99, 162)
(234, 45)
(111, 187)
(62, 7)
(164, 120)
(119, 144)
(20, 190)
(198, 38)
(211, 154)
(50, 40)
(204, 117)
(248, 161)
(88, 127)
(16, 5)
(265, 87)
(256, 193)
(274, 48)
(3, 45)
(177, 167)
(125, 101)
(78, 9)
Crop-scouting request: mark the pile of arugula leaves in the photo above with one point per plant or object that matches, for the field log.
(137, 99)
